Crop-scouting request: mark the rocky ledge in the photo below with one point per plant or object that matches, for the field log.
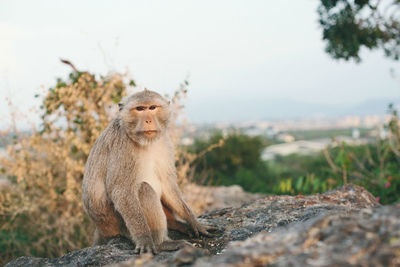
(344, 227)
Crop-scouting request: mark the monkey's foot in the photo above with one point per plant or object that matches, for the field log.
(144, 244)
(172, 245)
(203, 229)
(139, 249)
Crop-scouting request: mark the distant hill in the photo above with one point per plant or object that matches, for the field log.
(268, 109)
(373, 106)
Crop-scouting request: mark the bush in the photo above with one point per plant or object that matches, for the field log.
(374, 166)
(237, 161)
(301, 174)
(41, 213)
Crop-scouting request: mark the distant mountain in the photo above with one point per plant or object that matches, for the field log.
(268, 109)
(373, 106)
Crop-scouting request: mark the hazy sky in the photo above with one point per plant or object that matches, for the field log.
(236, 53)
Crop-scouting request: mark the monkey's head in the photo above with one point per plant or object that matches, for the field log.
(144, 116)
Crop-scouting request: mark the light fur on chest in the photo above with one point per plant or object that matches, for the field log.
(153, 161)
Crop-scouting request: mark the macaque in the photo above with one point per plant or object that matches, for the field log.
(129, 185)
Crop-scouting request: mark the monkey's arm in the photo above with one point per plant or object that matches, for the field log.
(172, 198)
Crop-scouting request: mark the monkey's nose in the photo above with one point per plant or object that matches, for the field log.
(148, 121)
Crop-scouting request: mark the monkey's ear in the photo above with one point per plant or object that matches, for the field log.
(120, 106)
(169, 102)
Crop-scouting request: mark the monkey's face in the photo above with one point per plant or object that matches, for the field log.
(145, 117)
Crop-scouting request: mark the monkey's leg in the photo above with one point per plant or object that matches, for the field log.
(153, 212)
(127, 202)
(107, 225)
(157, 220)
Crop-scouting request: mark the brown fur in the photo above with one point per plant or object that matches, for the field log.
(129, 186)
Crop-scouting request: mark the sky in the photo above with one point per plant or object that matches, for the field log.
(240, 57)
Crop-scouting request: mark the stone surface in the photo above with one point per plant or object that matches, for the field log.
(339, 228)
(215, 197)
(370, 237)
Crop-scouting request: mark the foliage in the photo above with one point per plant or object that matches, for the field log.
(309, 184)
(301, 174)
(348, 25)
(238, 161)
(41, 213)
(374, 166)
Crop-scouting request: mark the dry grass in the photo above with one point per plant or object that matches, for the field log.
(41, 212)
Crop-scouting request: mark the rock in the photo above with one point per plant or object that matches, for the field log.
(368, 237)
(215, 197)
(339, 228)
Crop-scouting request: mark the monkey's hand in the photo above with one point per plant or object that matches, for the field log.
(199, 228)
(145, 244)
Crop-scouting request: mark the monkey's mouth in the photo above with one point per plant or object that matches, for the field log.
(149, 132)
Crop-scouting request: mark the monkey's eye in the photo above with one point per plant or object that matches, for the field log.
(140, 108)
(153, 107)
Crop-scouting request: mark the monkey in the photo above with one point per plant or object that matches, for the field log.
(129, 186)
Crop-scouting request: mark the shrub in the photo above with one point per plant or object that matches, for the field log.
(238, 161)
(41, 212)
